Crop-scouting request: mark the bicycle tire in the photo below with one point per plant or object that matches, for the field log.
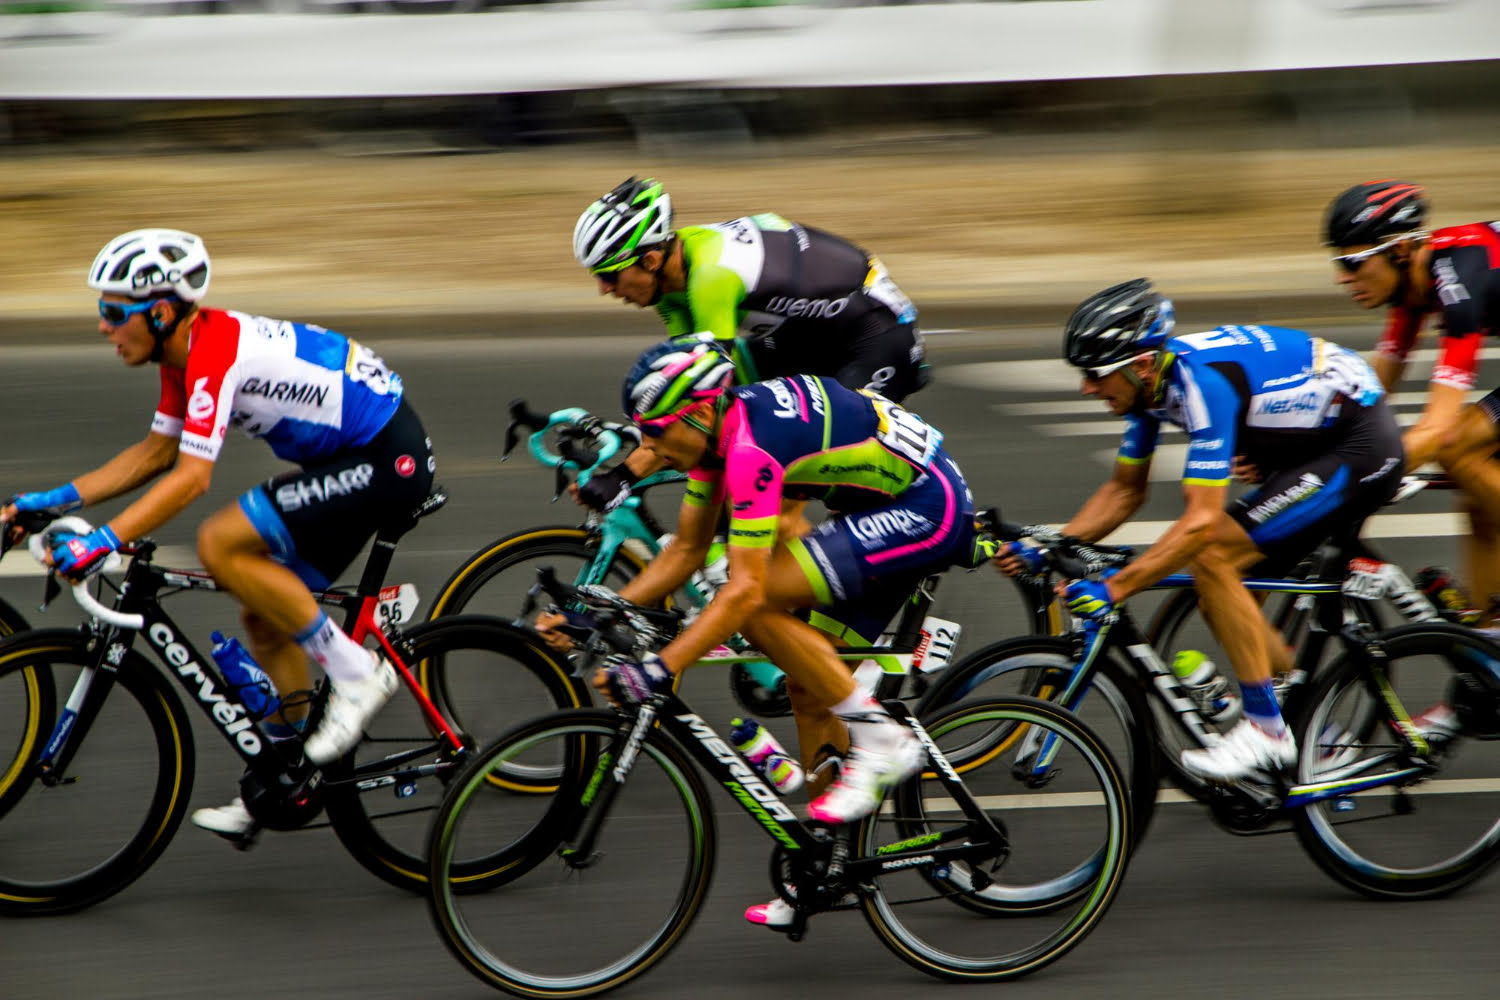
(1321, 827)
(1106, 853)
(1040, 660)
(432, 649)
(167, 802)
(1168, 623)
(535, 545)
(37, 711)
(468, 797)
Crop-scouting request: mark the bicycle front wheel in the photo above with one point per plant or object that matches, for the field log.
(70, 844)
(484, 676)
(555, 929)
(1424, 836)
(494, 580)
(1052, 875)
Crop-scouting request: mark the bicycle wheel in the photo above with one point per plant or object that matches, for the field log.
(484, 676)
(494, 580)
(30, 716)
(1038, 667)
(1065, 851)
(1426, 837)
(1177, 626)
(67, 846)
(554, 930)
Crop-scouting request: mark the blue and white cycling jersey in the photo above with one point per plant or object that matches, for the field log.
(309, 392)
(1275, 395)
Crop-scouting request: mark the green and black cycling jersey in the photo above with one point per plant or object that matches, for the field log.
(788, 299)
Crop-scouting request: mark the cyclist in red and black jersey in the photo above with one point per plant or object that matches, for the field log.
(1385, 257)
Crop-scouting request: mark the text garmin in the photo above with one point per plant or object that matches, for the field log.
(289, 392)
(230, 715)
(762, 802)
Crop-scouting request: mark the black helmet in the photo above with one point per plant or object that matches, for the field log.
(1117, 324)
(1374, 212)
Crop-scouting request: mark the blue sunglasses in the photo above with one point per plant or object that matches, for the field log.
(119, 313)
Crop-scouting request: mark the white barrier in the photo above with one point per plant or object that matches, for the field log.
(614, 43)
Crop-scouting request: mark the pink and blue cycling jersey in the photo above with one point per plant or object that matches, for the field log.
(903, 507)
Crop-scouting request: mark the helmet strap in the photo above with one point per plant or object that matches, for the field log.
(161, 333)
(659, 276)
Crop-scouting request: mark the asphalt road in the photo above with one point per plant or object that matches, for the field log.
(1201, 912)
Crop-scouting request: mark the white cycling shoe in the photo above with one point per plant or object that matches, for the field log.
(868, 773)
(233, 820)
(350, 707)
(1245, 751)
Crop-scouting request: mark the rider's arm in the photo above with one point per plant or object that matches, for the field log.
(187, 481)
(1122, 494)
(752, 479)
(684, 555)
(1400, 336)
(1113, 503)
(135, 466)
(1187, 535)
(714, 294)
(1460, 275)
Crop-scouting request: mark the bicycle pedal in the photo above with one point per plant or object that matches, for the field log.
(243, 841)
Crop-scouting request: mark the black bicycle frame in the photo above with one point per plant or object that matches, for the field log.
(984, 838)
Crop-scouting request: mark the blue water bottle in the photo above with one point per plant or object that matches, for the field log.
(250, 682)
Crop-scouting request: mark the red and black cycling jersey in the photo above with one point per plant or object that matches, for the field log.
(1464, 268)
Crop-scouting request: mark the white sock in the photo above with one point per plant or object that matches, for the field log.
(341, 658)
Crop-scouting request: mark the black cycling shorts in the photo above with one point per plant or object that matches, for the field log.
(883, 355)
(317, 519)
(1296, 509)
(1490, 406)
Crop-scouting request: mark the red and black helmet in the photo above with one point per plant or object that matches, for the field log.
(1373, 212)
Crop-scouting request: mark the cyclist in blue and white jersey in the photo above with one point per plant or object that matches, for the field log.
(1307, 417)
(320, 400)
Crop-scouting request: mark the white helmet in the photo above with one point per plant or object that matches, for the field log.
(615, 230)
(149, 262)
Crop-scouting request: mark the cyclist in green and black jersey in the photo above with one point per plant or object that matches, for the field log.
(780, 298)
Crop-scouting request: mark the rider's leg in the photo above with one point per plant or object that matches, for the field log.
(281, 658)
(1467, 454)
(1233, 614)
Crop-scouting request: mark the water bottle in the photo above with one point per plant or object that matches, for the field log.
(250, 682)
(766, 755)
(1208, 688)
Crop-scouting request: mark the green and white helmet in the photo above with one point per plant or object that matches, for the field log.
(615, 230)
(670, 377)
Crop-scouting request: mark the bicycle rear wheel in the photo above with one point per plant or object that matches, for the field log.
(67, 846)
(1428, 836)
(484, 676)
(1115, 708)
(556, 929)
(1066, 845)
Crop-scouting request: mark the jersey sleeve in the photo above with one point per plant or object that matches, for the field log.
(752, 483)
(704, 489)
(1400, 334)
(1210, 407)
(1454, 271)
(172, 406)
(211, 382)
(1139, 441)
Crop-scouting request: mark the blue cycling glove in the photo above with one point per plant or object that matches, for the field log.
(1032, 555)
(55, 502)
(633, 683)
(80, 556)
(1090, 599)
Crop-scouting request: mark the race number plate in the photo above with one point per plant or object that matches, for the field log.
(396, 604)
(1366, 579)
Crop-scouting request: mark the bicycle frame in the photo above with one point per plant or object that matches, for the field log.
(1333, 618)
(205, 686)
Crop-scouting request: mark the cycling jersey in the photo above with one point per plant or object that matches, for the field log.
(791, 300)
(309, 392)
(902, 507)
(1466, 291)
(1279, 397)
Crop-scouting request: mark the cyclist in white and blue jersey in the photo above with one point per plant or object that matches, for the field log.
(320, 400)
(1305, 417)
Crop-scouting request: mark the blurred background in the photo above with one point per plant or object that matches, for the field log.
(409, 172)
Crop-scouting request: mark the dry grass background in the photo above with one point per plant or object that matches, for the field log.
(492, 231)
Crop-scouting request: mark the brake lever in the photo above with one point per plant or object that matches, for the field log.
(50, 590)
(512, 438)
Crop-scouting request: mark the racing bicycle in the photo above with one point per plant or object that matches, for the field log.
(626, 846)
(99, 769)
